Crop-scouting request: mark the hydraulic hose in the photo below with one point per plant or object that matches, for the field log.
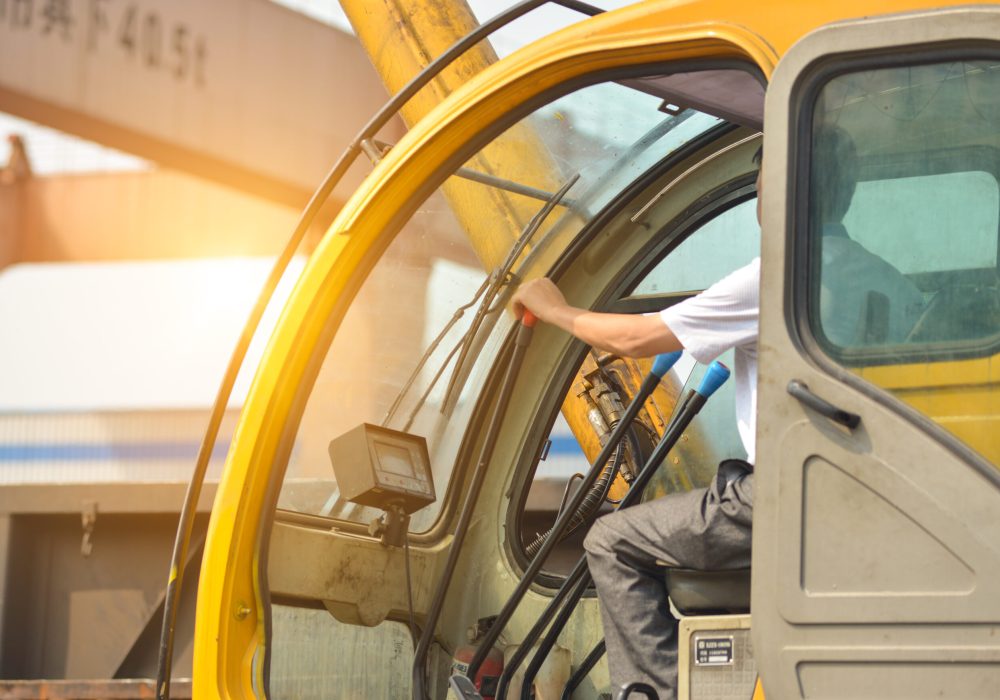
(692, 404)
(591, 502)
(661, 365)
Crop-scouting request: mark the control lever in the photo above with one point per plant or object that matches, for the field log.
(463, 688)
(661, 365)
(578, 581)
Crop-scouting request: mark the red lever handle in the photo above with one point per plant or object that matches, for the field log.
(529, 319)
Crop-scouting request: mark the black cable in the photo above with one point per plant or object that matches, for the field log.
(598, 492)
(566, 492)
(409, 591)
(592, 501)
(639, 455)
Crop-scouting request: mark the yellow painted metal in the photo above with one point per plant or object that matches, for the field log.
(229, 629)
(582, 398)
(402, 36)
(961, 396)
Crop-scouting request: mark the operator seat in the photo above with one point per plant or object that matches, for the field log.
(709, 592)
(696, 592)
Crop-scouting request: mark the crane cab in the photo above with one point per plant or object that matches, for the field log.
(617, 158)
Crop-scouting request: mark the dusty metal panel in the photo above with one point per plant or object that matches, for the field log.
(831, 616)
(241, 91)
(316, 656)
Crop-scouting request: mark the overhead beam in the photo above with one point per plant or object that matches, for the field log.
(245, 92)
(137, 216)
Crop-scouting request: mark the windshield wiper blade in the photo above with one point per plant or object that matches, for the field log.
(484, 296)
(459, 313)
(501, 278)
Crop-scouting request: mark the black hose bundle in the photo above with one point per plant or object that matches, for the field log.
(591, 502)
(598, 492)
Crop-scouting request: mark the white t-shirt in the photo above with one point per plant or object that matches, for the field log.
(724, 316)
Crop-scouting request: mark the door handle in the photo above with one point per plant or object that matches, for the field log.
(838, 415)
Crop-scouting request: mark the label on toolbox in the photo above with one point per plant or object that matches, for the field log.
(713, 651)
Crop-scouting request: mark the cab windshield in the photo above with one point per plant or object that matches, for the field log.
(414, 350)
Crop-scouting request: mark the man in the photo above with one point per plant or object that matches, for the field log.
(863, 301)
(707, 528)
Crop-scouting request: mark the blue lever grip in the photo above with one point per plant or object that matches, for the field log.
(663, 363)
(715, 377)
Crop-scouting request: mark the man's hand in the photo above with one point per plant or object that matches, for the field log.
(626, 335)
(541, 296)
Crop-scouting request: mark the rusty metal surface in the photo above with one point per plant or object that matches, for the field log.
(89, 690)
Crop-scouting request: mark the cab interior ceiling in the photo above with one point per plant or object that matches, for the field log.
(732, 94)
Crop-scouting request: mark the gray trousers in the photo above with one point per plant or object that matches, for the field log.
(707, 529)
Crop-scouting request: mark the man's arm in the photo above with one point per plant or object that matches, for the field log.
(627, 335)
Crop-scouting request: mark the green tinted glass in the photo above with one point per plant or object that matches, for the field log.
(904, 214)
(905, 208)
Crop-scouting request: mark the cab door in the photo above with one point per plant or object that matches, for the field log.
(877, 537)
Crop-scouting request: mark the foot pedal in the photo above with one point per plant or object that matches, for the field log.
(462, 687)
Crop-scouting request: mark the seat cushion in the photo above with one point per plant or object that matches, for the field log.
(701, 592)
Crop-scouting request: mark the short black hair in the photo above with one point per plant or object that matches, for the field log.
(758, 155)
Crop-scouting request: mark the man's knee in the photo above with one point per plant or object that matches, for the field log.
(600, 539)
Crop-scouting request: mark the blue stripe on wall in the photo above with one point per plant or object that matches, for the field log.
(564, 446)
(95, 452)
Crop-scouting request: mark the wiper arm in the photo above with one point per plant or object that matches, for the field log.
(484, 296)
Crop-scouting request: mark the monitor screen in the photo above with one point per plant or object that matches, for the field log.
(394, 459)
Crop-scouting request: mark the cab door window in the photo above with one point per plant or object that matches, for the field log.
(904, 205)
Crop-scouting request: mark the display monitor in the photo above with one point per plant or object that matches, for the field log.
(379, 467)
